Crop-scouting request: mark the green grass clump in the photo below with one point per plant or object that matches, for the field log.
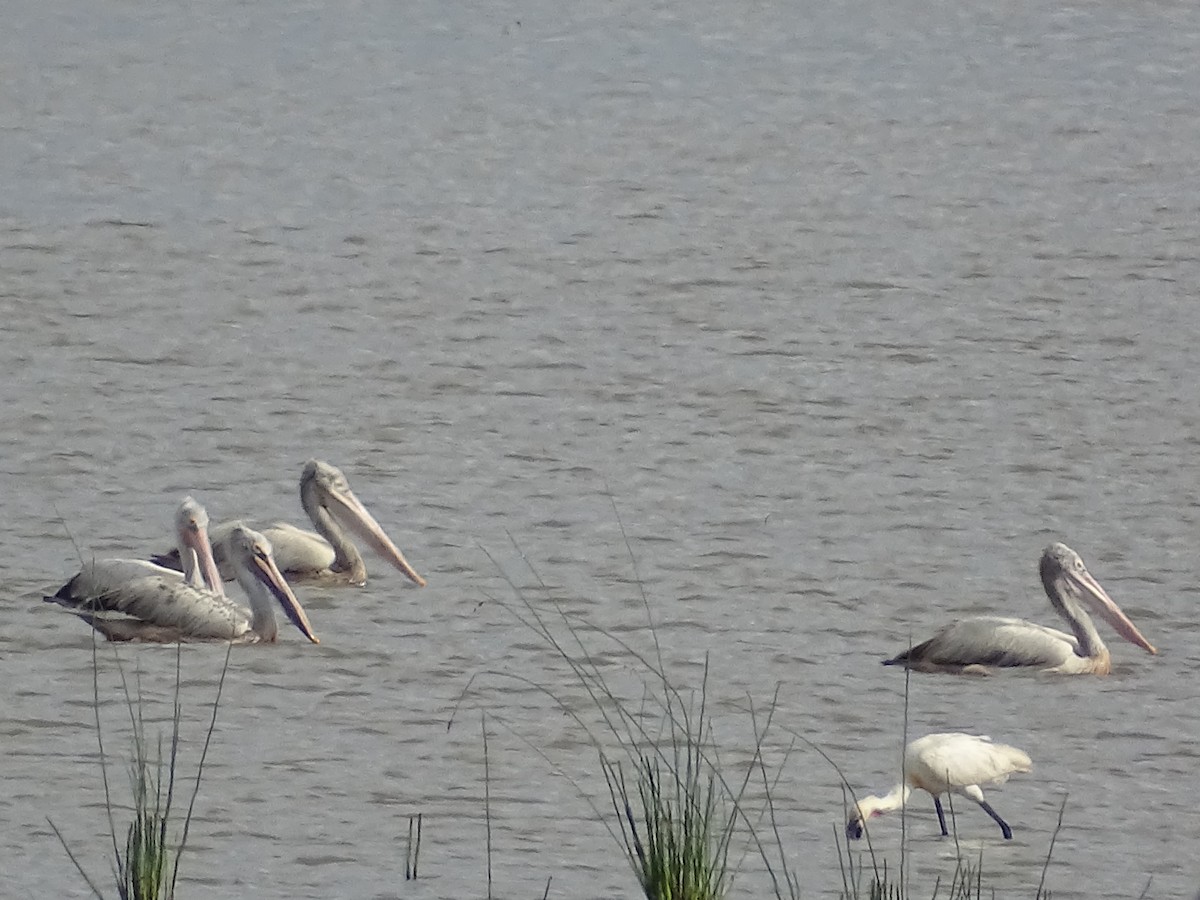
(146, 864)
(681, 849)
(675, 809)
(146, 868)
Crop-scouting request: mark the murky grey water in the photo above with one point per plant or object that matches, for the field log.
(849, 310)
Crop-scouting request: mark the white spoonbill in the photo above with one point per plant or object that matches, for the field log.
(946, 763)
(133, 600)
(976, 644)
(330, 556)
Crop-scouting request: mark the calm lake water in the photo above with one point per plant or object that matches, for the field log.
(816, 323)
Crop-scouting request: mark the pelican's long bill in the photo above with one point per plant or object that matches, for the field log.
(1084, 584)
(195, 551)
(209, 573)
(263, 568)
(358, 519)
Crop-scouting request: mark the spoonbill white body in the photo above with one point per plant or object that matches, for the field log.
(950, 762)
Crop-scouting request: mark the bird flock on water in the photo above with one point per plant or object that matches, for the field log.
(179, 595)
(959, 763)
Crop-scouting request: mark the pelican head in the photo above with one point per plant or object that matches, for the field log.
(1067, 581)
(261, 579)
(325, 485)
(195, 552)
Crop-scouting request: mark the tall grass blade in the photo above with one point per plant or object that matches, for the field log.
(83, 872)
(1042, 893)
(487, 802)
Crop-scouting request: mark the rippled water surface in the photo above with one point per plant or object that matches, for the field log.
(814, 323)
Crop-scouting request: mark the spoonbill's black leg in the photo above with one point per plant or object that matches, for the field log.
(1005, 830)
(937, 804)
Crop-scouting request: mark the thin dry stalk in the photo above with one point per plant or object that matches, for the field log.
(487, 802)
(1042, 893)
(413, 849)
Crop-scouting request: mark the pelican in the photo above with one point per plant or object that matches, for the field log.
(329, 556)
(134, 600)
(191, 535)
(973, 645)
(953, 763)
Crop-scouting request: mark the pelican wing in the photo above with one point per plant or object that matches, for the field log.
(168, 560)
(102, 575)
(989, 641)
(298, 551)
(104, 592)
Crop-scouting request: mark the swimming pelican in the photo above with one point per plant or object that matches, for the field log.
(134, 600)
(191, 535)
(329, 556)
(972, 645)
(939, 763)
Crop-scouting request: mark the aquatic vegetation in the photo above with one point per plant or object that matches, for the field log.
(145, 864)
(676, 835)
(675, 807)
